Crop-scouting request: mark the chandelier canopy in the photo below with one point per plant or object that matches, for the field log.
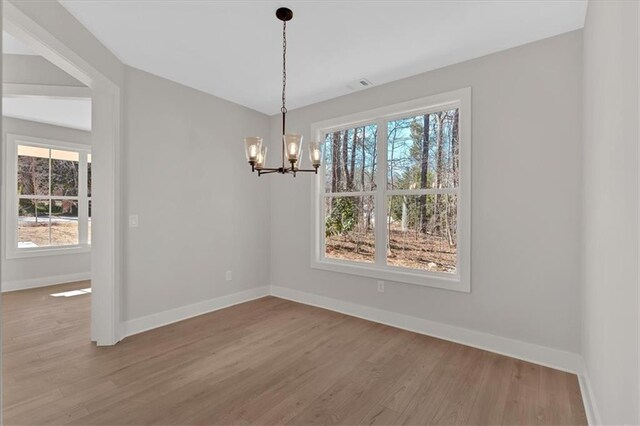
(256, 151)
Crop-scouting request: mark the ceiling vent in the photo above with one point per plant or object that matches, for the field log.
(361, 83)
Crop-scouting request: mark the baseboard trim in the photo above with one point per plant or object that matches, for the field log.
(588, 398)
(542, 355)
(181, 313)
(16, 285)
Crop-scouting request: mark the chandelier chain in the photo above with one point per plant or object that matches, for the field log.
(284, 66)
(256, 151)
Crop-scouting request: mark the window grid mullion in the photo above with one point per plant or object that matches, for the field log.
(47, 197)
(83, 207)
(424, 191)
(349, 194)
(380, 197)
(50, 200)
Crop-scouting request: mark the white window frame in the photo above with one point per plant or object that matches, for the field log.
(11, 190)
(458, 281)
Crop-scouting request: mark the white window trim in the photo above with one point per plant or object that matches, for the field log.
(461, 280)
(11, 224)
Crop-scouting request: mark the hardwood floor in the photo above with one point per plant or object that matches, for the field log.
(268, 361)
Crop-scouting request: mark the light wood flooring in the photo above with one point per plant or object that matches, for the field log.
(268, 361)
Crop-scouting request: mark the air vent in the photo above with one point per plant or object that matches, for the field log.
(359, 84)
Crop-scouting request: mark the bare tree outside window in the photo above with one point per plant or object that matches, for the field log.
(421, 214)
(48, 189)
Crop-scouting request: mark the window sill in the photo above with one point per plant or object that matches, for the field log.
(426, 279)
(47, 251)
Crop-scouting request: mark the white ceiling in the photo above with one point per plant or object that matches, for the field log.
(73, 113)
(62, 111)
(13, 46)
(231, 49)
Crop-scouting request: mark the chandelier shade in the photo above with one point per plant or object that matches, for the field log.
(262, 158)
(293, 145)
(315, 154)
(256, 151)
(252, 147)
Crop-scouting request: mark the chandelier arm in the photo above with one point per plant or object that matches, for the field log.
(307, 170)
(266, 171)
(296, 170)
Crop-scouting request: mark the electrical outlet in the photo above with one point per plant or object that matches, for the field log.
(133, 221)
(228, 276)
(380, 286)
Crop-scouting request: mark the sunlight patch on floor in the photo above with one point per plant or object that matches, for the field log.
(72, 293)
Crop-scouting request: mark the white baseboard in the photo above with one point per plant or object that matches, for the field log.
(44, 281)
(149, 322)
(588, 398)
(542, 355)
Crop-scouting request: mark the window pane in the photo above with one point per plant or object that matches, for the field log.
(64, 222)
(33, 170)
(64, 172)
(33, 223)
(350, 160)
(423, 232)
(423, 151)
(349, 228)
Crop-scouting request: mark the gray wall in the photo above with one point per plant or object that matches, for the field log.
(526, 143)
(180, 148)
(17, 273)
(527, 208)
(201, 212)
(610, 310)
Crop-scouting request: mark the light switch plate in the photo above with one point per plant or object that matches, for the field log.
(133, 221)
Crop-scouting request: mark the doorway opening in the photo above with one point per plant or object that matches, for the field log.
(55, 216)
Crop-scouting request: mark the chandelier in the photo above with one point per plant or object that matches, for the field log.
(256, 151)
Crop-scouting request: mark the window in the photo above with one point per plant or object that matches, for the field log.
(392, 198)
(49, 197)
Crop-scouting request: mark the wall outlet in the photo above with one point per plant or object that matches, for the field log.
(133, 221)
(228, 276)
(380, 286)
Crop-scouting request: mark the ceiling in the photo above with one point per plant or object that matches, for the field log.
(231, 49)
(72, 113)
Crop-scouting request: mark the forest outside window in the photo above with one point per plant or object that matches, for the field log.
(393, 202)
(49, 203)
